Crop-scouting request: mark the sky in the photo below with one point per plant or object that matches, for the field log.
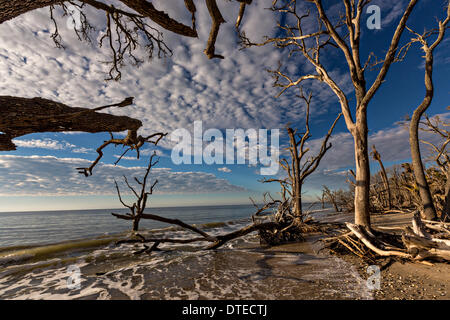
(172, 93)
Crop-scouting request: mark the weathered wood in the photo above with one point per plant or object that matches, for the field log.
(376, 155)
(20, 116)
(429, 210)
(361, 235)
(419, 227)
(179, 223)
(421, 248)
(221, 240)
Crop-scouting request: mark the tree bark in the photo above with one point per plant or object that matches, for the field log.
(296, 183)
(136, 224)
(447, 197)
(429, 211)
(362, 188)
(9, 9)
(20, 116)
(377, 157)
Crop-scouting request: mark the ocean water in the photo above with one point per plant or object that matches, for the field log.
(74, 255)
(30, 228)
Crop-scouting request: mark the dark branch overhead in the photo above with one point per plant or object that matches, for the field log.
(21, 116)
(139, 12)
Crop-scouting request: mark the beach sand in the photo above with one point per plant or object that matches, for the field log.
(404, 280)
(241, 270)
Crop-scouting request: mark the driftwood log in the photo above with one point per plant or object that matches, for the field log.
(215, 241)
(417, 243)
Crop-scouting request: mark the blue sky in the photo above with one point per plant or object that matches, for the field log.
(172, 93)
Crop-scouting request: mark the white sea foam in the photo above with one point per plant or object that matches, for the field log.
(110, 271)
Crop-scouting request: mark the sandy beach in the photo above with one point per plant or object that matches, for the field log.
(243, 269)
(402, 280)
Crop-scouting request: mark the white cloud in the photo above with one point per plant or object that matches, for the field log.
(392, 144)
(83, 150)
(224, 169)
(50, 144)
(42, 144)
(48, 175)
(235, 92)
(126, 158)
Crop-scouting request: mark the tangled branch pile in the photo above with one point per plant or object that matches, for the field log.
(424, 240)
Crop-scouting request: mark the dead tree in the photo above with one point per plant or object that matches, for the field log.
(298, 167)
(137, 213)
(376, 156)
(344, 36)
(21, 116)
(331, 197)
(429, 211)
(440, 156)
(269, 230)
(138, 207)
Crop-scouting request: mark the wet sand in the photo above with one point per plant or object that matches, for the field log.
(243, 269)
(405, 280)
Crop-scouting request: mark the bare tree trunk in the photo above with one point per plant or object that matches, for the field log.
(298, 205)
(21, 116)
(377, 157)
(136, 223)
(447, 197)
(296, 183)
(362, 188)
(429, 211)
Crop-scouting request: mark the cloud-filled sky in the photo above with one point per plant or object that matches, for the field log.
(173, 92)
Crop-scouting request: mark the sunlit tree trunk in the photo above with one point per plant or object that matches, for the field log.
(362, 188)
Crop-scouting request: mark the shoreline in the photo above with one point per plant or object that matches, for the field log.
(244, 269)
(404, 280)
(408, 281)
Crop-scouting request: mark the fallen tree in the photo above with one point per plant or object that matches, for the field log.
(272, 230)
(423, 240)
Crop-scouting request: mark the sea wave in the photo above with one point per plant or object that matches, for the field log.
(242, 269)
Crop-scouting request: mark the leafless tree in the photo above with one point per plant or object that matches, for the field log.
(429, 210)
(137, 213)
(138, 207)
(376, 156)
(440, 155)
(345, 36)
(21, 116)
(299, 167)
(331, 197)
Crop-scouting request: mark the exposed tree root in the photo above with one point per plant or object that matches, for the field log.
(416, 243)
